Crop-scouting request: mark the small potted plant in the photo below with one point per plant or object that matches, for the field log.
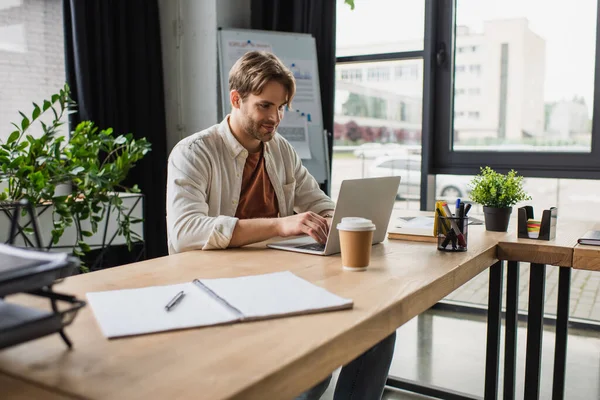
(497, 193)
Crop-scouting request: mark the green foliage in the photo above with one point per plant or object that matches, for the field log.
(493, 189)
(350, 3)
(94, 161)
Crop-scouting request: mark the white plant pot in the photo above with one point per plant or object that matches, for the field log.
(105, 236)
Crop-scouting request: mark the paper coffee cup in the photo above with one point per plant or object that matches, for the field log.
(356, 235)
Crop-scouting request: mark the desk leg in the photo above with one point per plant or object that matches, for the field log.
(535, 326)
(492, 356)
(562, 320)
(512, 318)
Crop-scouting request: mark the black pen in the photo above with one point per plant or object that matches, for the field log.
(174, 301)
(467, 208)
(461, 217)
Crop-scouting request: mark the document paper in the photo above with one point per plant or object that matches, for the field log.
(139, 311)
(294, 128)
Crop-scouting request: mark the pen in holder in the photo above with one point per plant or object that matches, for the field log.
(452, 233)
(527, 227)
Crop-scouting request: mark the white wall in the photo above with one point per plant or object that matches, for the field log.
(190, 61)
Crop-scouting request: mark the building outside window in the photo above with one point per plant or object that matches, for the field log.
(378, 74)
(351, 74)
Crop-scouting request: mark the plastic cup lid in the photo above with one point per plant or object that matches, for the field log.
(356, 224)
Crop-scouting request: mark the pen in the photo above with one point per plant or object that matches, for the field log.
(448, 231)
(467, 208)
(457, 207)
(444, 222)
(174, 301)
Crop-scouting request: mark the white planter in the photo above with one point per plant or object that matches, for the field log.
(106, 235)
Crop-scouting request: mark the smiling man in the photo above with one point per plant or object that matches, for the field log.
(240, 182)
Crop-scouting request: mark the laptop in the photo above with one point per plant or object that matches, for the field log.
(371, 198)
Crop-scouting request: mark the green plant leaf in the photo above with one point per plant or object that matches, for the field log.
(87, 233)
(84, 246)
(13, 137)
(36, 111)
(24, 121)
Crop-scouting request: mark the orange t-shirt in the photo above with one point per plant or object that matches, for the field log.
(257, 197)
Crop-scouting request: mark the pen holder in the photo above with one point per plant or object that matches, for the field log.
(547, 225)
(452, 233)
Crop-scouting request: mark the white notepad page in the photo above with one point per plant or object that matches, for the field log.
(275, 294)
(137, 311)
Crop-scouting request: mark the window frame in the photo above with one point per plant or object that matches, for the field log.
(440, 29)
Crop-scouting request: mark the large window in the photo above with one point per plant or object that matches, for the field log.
(502, 85)
(507, 84)
(31, 58)
(512, 88)
(536, 75)
(379, 94)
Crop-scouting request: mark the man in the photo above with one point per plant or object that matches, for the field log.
(240, 182)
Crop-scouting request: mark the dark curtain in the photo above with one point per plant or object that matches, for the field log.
(114, 68)
(316, 17)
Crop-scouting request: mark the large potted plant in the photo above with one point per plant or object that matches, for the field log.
(497, 193)
(91, 162)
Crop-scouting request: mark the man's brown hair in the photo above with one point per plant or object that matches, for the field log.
(255, 69)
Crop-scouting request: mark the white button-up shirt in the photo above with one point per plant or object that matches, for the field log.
(205, 179)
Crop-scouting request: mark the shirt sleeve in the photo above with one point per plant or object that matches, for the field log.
(188, 223)
(308, 194)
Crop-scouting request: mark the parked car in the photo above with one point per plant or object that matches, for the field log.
(374, 150)
(408, 167)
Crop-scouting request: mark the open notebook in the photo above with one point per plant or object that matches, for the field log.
(209, 302)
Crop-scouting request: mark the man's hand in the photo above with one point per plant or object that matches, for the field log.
(307, 223)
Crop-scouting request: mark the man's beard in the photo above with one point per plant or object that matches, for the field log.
(253, 128)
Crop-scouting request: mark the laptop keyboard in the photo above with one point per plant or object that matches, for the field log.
(312, 246)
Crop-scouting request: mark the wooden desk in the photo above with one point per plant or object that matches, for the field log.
(260, 360)
(586, 257)
(17, 389)
(558, 251)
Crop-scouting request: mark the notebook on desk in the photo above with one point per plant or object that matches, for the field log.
(209, 302)
(591, 238)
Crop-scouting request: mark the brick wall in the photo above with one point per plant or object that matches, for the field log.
(31, 58)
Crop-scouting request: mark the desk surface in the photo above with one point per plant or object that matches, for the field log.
(16, 389)
(558, 251)
(587, 257)
(267, 359)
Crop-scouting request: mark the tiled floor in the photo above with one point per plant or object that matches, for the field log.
(448, 349)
